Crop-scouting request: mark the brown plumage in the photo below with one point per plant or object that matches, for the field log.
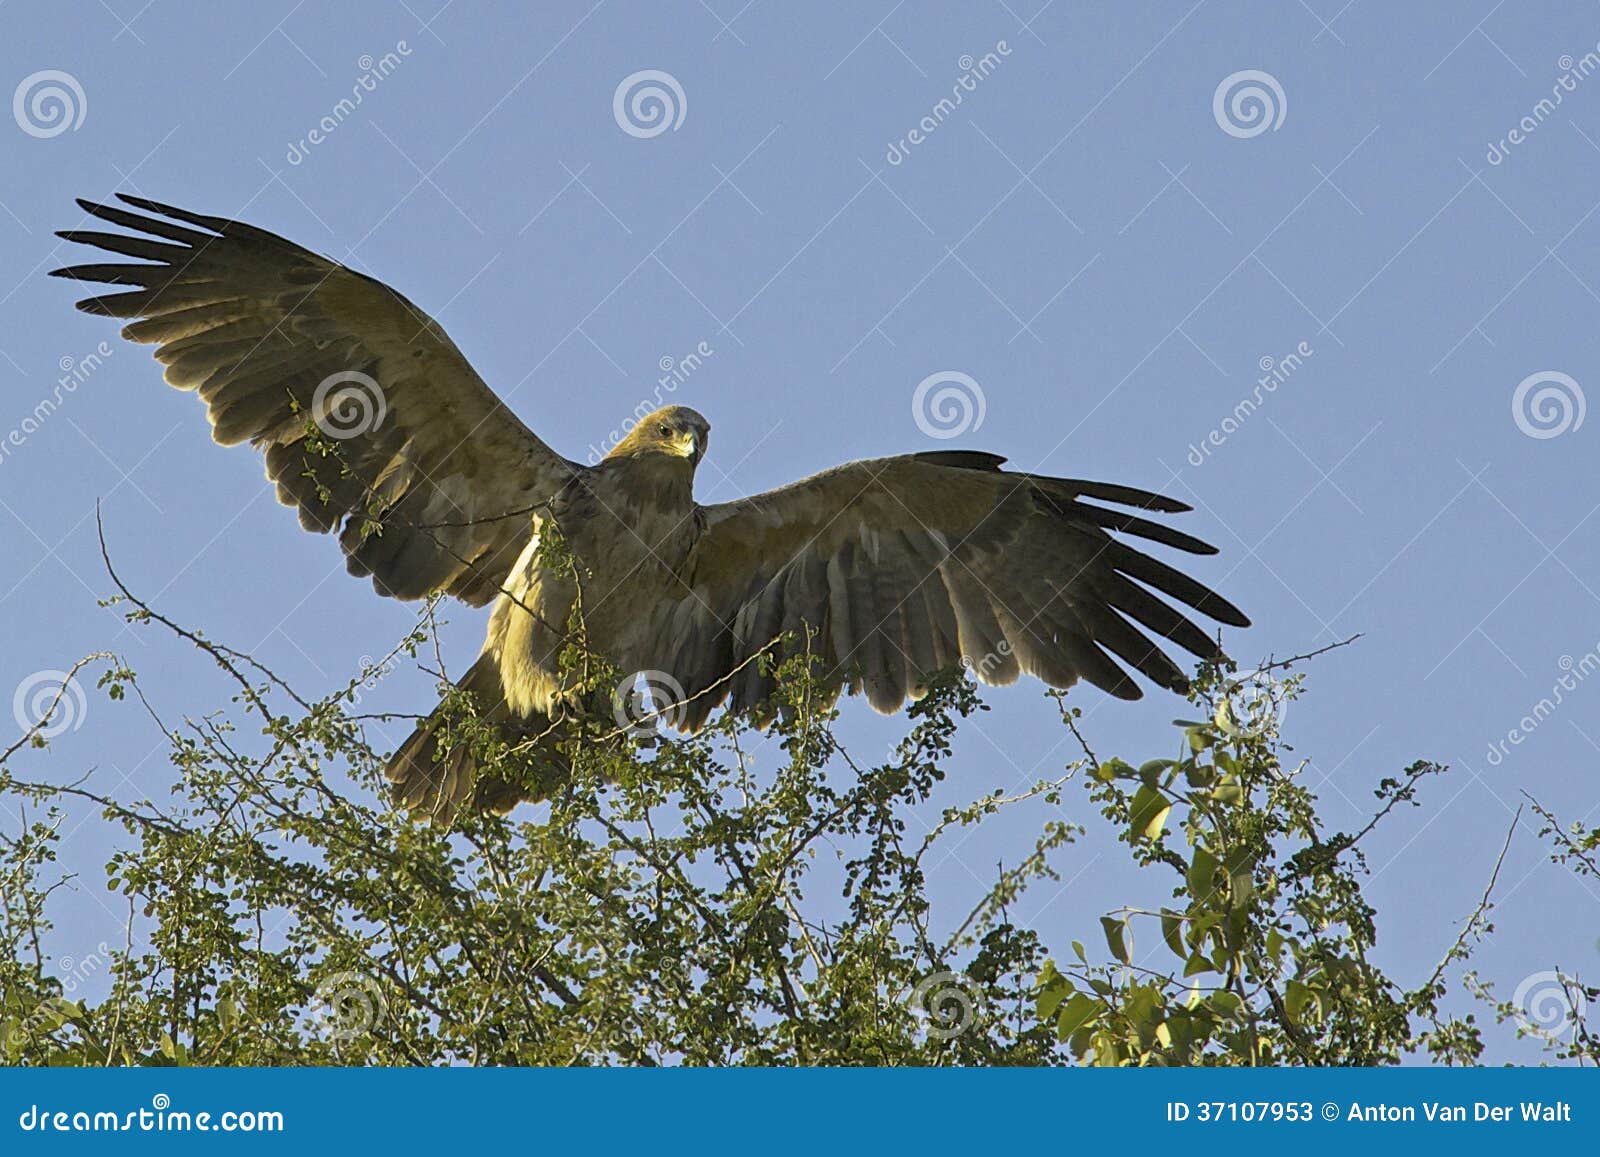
(375, 425)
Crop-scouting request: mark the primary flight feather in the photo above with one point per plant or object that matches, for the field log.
(889, 570)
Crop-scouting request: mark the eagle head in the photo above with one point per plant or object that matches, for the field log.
(676, 431)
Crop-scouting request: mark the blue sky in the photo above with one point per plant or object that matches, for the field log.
(1107, 257)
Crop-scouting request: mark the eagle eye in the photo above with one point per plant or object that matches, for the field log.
(664, 430)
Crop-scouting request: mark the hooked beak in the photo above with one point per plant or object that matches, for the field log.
(694, 448)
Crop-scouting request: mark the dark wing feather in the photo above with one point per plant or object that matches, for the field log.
(903, 566)
(369, 417)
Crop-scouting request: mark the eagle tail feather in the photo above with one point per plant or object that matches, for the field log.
(435, 775)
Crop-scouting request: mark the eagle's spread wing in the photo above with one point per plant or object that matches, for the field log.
(368, 414)
(905, 566)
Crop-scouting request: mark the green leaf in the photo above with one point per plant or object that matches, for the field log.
(1200, 925)
(1050, 1000)
(1116, 937)
(1079, 1044)
(1302, 1003)
(1201, 874)
(1227, 1004)
(1078, 1013)
(1053, 989)
(1112, 770)
(1150, 771)
(1240, 858)
(1172, 932)
(1148, 813)
(1195, 965)
(1229, 793)
(1241, 887)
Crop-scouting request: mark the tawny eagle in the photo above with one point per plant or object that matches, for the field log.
(889, 570)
